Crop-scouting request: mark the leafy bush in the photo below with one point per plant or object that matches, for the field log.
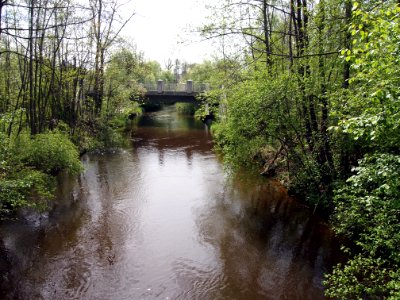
(201, 113)
(368, 213)
(101, 134)
(84, 140)
(21, 186)
(133, 108)
(118, 122)
(27, 188)
(368, 205)
(51, 153)
(256, 112)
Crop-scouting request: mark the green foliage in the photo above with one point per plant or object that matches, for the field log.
(290, 104)
(110, 129)
(103, 135)
(256, 112)
(130, 64)
(118, 122)
(166, 76)
(124, 70)
(367, 205)
(50, 153)
(373, 114)
(84, 138)
(27, 188)
(379, 281)
(107, 137)
(202, 72)
(246, 130)
(368, 213)
(21, 185)
(131, 109)
(185, 108)
(201, 113)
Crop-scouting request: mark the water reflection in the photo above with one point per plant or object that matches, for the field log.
(161, 220)
(269, 245)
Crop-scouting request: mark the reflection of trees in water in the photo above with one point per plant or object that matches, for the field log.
(84, 232)
(197, 140)
(35, 245)
(261, 244)
(167, 131)
(169, 120)
(269, 245)
(189, 143)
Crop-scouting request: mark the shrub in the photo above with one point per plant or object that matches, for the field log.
(21, 186)
(132, 109)
(84, 140)
(118, 122)
(27, 188)
(368, 212)
(51, 153)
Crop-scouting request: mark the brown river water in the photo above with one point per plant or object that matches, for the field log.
(161, 219)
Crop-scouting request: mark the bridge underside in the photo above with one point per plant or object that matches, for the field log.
(170, 98)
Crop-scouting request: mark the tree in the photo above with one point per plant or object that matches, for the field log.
(104, 16)
(367, 205)
(286, 41)
(326, 123)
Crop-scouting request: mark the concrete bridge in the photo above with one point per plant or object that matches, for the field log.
(169, 93)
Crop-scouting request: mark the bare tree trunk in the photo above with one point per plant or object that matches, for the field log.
(347, 43)
(325, 153)
(266, 32)
(31, 42)
(97, 33)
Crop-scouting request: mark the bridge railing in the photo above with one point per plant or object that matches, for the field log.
(188, 87)
(174, 87)
(149, 86)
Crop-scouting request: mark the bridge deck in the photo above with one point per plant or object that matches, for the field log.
(170, 98)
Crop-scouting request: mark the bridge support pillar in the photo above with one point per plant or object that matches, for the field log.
(189, 86)
(160, 86)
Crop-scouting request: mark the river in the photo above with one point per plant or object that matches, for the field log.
(160, 219)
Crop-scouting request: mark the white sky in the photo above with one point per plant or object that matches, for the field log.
(161, 29)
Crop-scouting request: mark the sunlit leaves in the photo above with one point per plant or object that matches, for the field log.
(368, 212)
(367, 205)
(257, 115)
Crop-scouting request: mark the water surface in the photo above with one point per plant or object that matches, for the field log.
(161, 220)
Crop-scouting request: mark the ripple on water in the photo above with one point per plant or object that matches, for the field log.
(77, 277)
(197, 280)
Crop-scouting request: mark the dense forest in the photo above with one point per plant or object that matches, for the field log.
(304, 91)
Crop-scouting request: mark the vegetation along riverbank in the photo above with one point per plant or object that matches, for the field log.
(315, 101)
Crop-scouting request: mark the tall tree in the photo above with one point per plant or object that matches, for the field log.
(104, 35)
